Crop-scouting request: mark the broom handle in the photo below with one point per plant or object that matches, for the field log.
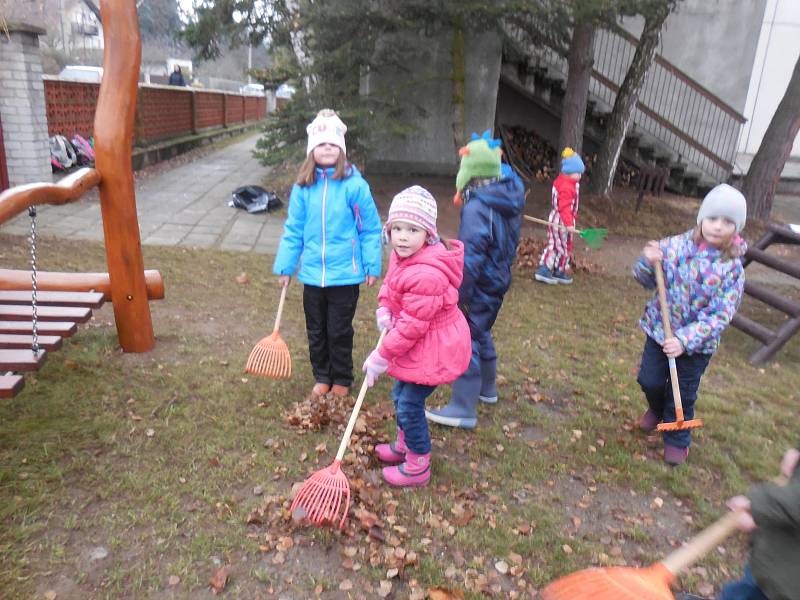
(280, 308)
(673, 369)
(543, 222)
(354, 415)
(706, 540)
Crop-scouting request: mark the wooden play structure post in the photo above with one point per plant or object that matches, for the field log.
(113, 132)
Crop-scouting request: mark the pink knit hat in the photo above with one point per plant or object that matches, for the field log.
(414, 205)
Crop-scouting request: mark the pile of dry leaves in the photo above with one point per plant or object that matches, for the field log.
(530, 250)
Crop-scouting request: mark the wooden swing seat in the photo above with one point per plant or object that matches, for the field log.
(58, 315)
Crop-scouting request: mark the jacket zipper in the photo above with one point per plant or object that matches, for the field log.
(324, 195)
(353, 244)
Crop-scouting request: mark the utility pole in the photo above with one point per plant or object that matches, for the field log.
(249, 60)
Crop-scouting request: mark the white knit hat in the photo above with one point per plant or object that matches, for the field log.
(328, 128)
(724, 201)
(414, 205)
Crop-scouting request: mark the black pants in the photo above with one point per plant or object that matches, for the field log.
(329, 324)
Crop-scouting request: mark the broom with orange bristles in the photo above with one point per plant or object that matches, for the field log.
(270, 357)
(648, 583)
(322, 495)
(679, 424)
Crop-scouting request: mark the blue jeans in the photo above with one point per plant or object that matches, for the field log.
(409, 401)
(656, 385)
(744, 589)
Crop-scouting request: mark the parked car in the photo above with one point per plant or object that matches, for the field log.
(252, 89)
(82, 73)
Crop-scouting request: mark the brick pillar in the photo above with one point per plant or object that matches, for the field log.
(22, 105)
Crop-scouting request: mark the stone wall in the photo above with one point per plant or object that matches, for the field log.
(22, 106)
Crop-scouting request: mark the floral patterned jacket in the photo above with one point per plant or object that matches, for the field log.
(703, 290)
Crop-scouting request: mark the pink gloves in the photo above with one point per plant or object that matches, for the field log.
(384, 318)
(374, 367)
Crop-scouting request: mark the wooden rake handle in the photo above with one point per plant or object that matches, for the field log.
(673, 369)
(354, 415)
(706, 540)
(280, 308)
(543, 222)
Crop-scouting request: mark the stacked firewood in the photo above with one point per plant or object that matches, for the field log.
(540, 161)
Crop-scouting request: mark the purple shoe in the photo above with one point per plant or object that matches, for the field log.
(648, 421)
(675, 456)
(394, 452)
(415, 472)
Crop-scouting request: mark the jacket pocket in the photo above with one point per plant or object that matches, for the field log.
(353, 246)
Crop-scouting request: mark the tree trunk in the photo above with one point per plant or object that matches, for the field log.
(765, 170)
(602, 177)
(580, 61)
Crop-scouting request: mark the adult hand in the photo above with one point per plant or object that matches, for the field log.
(672, 347)
(374, 367)
(652, 252)
(790, 461)
(741, 506)
(284, 280)
(371, 279)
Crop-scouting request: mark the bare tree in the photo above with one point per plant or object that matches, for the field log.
(765, 170)
(619, 121)
(579, 60)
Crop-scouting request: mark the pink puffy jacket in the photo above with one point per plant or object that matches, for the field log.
(430, 342)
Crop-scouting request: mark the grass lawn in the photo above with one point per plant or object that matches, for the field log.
(139, 476)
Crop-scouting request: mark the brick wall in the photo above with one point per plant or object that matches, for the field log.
(22, 106)
(162, 112)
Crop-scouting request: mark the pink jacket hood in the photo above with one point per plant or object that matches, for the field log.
(430, 343)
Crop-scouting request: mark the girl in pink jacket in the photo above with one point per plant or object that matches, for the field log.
(428, 342)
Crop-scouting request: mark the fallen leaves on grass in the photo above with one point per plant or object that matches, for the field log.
(440, 593)
(220, 579)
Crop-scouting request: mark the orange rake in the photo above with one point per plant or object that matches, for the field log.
(270, 357)
(648, 583)
(679, 423)
(321, 495)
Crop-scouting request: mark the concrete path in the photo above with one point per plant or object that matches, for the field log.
(182, 206)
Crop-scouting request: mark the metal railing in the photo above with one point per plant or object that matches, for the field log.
(672, 107)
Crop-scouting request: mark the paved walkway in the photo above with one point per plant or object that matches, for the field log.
(183, 206)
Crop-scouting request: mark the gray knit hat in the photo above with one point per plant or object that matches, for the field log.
(724, 201)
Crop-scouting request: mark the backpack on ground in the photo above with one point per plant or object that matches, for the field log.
(255, 199)
(62, 154)
(83, 150)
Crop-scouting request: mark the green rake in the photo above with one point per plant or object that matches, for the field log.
(594, 238)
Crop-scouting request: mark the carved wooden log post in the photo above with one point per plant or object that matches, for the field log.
(113, 131)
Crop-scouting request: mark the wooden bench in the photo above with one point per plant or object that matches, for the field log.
(772, 340)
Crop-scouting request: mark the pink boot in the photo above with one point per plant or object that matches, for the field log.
(395, 452)
(415, 472)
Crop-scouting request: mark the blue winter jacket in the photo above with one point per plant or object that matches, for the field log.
(490, 222)
(333, 229)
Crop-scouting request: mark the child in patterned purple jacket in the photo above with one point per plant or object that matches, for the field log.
(704, 279)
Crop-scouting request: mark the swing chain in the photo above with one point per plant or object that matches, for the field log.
(34, 324)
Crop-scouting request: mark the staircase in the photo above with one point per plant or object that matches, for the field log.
(678, 124)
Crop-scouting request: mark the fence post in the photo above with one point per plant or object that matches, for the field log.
(22, 104)
(194, 111)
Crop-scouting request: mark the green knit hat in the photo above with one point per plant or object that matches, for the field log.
(479, 158)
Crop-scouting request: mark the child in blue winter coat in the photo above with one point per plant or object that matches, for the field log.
(704, 280)
(493, 197)
(333, 230)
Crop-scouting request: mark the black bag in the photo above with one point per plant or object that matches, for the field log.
(255, 199)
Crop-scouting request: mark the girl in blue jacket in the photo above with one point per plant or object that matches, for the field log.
(334, 231)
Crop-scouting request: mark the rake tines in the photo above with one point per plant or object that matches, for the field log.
(322, 495)
(270, 356)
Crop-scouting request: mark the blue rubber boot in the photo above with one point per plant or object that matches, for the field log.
(462, 410)
(488, 381)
